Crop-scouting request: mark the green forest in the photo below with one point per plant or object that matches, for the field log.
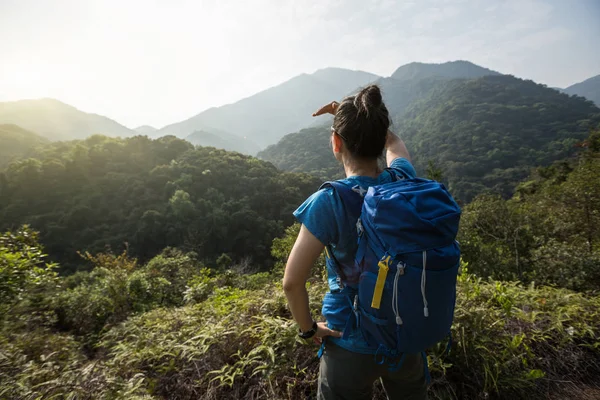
(150, 269)
(144, 195)
(17, 143)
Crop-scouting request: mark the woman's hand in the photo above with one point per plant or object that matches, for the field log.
(323, 331)
(330, 108)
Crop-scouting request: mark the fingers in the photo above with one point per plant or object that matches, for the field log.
(323, 330)
(334, 333)
(321, 111)
(330, 108)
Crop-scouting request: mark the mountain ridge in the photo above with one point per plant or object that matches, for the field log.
(222, 140)
(263, 117)
(56, 120)
(589, 88)
(449, 69)
(145, 130)
(266, 116)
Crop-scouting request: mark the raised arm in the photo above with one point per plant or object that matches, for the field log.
(394, 148)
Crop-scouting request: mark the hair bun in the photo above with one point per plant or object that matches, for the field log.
(368, 99)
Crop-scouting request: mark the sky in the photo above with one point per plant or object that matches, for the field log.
(158, 62)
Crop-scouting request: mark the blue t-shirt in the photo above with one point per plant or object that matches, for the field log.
(323, 214)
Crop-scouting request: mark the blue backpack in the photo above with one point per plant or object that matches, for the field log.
(408, 260)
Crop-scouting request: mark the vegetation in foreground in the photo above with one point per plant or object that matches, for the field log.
(172, 329)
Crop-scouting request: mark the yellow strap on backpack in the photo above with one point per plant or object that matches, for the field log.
(384, 267)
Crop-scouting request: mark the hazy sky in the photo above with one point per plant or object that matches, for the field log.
(157, 62)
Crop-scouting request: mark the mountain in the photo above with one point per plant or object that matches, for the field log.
(484, 133)
(412, 81)
(58, 121)
(223, 140)
(16, 142)
(590, 89)
(267, 116)
(308, 150)
(451, 69)
(145, 130)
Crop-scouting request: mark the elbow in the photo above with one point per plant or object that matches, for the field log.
(290, 286)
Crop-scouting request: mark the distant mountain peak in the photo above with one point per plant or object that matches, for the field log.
(222, 140)
(145, 130)
(340, 70)
(56, 120)
(449, 69)
(45, 101)
(590, 89)
(268, 115)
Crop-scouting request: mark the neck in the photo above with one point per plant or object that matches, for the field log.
(364, 168)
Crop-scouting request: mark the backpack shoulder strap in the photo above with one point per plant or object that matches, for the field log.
(351, 199)
(398, 174)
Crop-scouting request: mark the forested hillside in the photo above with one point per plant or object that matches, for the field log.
(306, 151)
(548, 232)
(16, 142)
(485, 133)
(489, 132)
(149, 194)
(58, 121)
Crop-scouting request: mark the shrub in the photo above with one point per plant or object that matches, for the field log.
(509, 341)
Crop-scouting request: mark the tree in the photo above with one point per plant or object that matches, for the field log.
(23, 269)
(434, 172)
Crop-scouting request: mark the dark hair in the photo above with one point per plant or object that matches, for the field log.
(362, 121)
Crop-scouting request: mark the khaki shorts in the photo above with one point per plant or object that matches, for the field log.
(345, 375)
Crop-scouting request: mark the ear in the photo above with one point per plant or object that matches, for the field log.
(336, 143)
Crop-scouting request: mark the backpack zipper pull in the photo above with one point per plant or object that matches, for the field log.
(399, 272)
(401, 266)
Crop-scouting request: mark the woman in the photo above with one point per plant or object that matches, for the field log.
(348, 367)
